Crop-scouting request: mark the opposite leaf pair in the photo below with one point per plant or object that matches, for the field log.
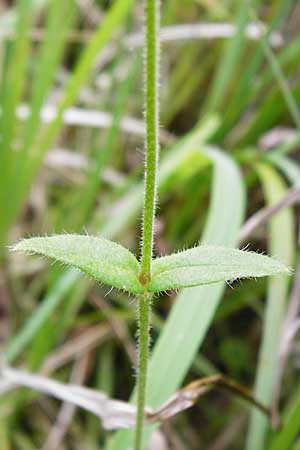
(114, 265)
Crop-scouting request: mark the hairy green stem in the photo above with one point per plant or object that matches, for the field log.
(152, 125)
(151, 50)
(144, 311)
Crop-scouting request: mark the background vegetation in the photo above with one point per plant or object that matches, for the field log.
(72, 160)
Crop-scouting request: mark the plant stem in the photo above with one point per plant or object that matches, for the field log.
(152, 125)
(144, 310)
(151, 49)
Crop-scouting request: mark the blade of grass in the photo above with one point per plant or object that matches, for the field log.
(287, 166)
(194, 309)
(282, 82)
(114, 17)
(281, 225)
(232, 53)
(34, 324)
(284, 439)
(12, 91)
(268, 113)
(245, 90)
(60, 19)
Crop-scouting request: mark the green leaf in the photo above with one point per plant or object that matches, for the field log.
(104, 260)
(209, 264)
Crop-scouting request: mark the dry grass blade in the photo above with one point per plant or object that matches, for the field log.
(191, 31)
(188, 396)
(76, 347)
(185, 31)
(90, 118)
(116, 414)
(265, 214)
(278, 135)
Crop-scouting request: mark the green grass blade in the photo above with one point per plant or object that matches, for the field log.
(60, 18)
(281, 225)
(284, 439)
(286, 91)
(114, 18)
(232, 53)
(11, 95)
(267, 114)
(287, 166)
(15, 77)
(34, 324)
(245, 91)
(194, 309)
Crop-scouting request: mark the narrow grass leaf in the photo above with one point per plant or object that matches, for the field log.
(60, 18)
(58, 291)
(284, 438)
(112, 20)
(281, 244)
(114, 17)
(103, 260)
(287, 166)
(231, 56)
(11, 93)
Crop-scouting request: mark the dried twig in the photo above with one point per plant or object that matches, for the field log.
(265, 214)
(63, 159)
(91, 118)
(191, 31)
(116, 414)
(186, 397)
(179, 32)
(277, 136)
(75, 347)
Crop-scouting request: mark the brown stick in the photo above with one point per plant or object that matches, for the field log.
(186, 397)
(265, 214)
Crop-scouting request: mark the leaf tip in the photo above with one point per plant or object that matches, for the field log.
(20, 246)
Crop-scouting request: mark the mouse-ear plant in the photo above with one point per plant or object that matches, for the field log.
(114, 265)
